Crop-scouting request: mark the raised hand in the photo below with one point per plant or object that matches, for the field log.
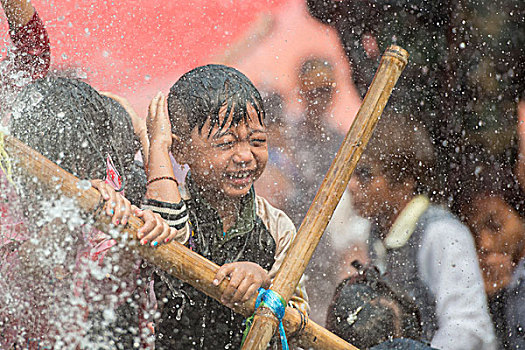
(158, 123)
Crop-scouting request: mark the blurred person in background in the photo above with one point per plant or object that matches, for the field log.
(314, 144)
(30, 56)
(426, 252)
(465, 73)
(277, 183)
(499, 233)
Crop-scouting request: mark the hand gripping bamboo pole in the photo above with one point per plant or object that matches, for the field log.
(174, 258)
(392, 64)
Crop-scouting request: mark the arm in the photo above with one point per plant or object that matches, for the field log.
(159, 162)
(448, 264)
(32, 54)
(18, 12)
(163, 196)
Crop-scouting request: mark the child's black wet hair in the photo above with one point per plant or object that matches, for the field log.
(200, 93)
(71, 124)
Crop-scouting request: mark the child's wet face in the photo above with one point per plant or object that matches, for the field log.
(369, 189)
(499, 232)
(230, 160)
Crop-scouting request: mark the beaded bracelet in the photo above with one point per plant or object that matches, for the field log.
(162, 178)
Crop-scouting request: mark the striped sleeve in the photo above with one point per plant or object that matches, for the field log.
(175, 214)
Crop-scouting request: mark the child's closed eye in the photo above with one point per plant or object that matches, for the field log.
(224, 145)
(258, 142)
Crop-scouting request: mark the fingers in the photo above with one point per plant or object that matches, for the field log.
(155, 230)
(149, 222)
(242, 289)
(157, 108)
(99, 185)
(252, 290)
(248, 287)
(167, 235)
(162, 106)
(236, 277)
(152, 111)
(160, 230)
(117, 206)
(108, 194)
(245, 280)
(127, 211)
(172, 235)
(223, 271)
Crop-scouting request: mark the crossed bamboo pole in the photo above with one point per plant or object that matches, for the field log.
(265, 323)
(199, 272)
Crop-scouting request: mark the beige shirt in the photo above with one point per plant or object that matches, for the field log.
(283, 232)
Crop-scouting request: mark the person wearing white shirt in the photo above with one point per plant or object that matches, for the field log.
(424, 250)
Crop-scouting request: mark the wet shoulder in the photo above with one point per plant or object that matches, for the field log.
(275, 220)
(440, 225)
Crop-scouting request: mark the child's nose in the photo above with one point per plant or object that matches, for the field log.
(243, 154)
(486, 241)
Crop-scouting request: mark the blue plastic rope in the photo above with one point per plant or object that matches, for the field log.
(277, 305)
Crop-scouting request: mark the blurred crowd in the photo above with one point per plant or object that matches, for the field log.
(437, 202)
(462, 87)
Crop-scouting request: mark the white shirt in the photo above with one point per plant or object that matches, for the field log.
(448, 265)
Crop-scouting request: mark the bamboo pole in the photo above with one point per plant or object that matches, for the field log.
(174, 258)
(392, 64)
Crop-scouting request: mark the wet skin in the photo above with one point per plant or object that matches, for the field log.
(375, 196)
(499, 233)
(227, 163)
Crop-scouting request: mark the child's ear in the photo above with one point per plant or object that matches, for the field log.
(178, 149)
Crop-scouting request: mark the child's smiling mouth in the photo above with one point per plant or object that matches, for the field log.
(240, 178)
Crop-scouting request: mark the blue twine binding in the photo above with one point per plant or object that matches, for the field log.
(277, 305)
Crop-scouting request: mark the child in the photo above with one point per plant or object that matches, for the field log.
(65, 289)
(428, 254)
(218, 130)
(499, 234)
